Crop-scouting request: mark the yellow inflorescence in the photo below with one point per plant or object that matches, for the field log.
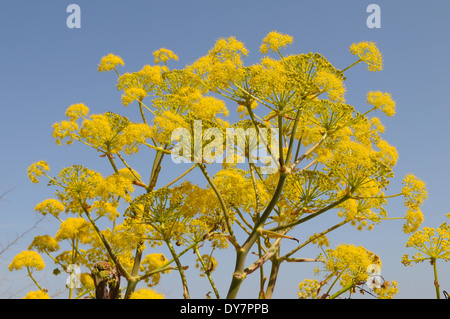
(75, 228)
(37, 295)
(308, 289)
(369, 53)
(145, 293)
(109, 62)
(50, 206)
(45, 243)
(164, 55)
(36, 170)
(29, 259)
(274, 41)
(382, 101)
(432, 243)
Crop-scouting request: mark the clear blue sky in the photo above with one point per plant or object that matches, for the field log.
(45, 67)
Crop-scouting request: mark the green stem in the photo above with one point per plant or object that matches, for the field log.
(436, 282)
(155, 170)
(181, 176)
(207, 272)
(142, 111)
(340, 292)
(280, 140)
(166, 266)
(219, 197)
(108, 247)
(276, 262)
(134, 271)
(242, 252)
(32, 278)
(180, 269)
(321, 211)
(314, 237)
(351, 65)
(109, 156)
(291, 142)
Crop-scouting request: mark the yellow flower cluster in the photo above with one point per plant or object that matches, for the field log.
(145, 293)
(37, 295)
(387, 290)
(309, 289)
(50, 206)
(387, 153)
(36, 170)
(414, 190)
(109, 62)
(75, 111)
(415, 193)
(72, 228)
(221, 66)
(330, 83)
(369, 53)
(350, 262)
(414, 218)
(163, 55)
(166, 123)
(229, 49)
(152, 262)
(207, 108)
(87, 281)
(146, 79)
(108, 132)
(382, 101)
(268, 77)
(29, 259)
(274, 41)
(111, 133)
(431, 243)
(65, 129)
(237, 190)
(45, 243)
(132, 94)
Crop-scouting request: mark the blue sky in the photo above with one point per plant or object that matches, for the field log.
(45, 67)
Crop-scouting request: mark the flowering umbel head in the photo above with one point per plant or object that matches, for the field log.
(36, 170)
(29, 259)
(274, 41)
(431, 244)
(109, 62)
(382, 101)
(164, 55)
(369, 53)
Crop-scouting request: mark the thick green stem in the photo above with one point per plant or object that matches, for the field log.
(135, 271)
(276, 262)
(241, 255)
